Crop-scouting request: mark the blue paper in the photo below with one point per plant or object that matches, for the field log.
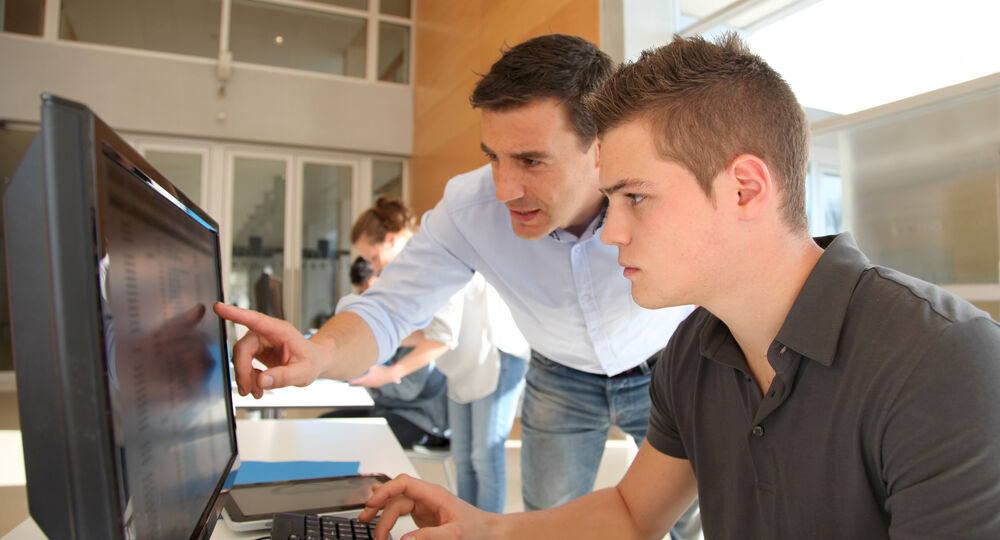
(252, 472)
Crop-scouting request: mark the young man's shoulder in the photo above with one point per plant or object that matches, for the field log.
(917, 294)
(916, 309)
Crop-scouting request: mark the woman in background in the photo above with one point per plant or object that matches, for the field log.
(485, 365)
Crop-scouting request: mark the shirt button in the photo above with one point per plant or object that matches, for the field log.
(758, 431)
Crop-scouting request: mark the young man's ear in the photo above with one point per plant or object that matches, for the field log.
(753, 184)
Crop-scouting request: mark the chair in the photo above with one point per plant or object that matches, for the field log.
(441, 456)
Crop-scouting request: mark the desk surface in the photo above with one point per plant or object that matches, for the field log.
(368, 440)
(322, 393)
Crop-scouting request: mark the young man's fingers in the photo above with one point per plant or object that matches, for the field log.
(392, 488)
(390, 514)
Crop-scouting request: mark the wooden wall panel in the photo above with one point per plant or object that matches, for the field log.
(456, 41)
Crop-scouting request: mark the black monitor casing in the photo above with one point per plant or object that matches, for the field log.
(51, 228)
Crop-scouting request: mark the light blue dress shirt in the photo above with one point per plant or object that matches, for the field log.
(567, 294)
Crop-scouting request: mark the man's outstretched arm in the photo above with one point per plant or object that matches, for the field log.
(342, 349)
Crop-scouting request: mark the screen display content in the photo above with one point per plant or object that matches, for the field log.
(158, 284)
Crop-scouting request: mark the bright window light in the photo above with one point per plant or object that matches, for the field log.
(844, 56)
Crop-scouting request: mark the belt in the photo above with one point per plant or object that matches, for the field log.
(634, 370)
(638, 368)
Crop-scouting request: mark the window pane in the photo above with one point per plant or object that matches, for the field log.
(831, 193)
(182, 169)
(258, 235)
(180, 26)
(297, 38)
(824, 204)
(23, 16)
(393, 53)
(920, 187)
(400, 8)
(356, 4)
(326, 225)
(387, 179)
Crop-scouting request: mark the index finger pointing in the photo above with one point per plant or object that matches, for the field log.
(256, 321)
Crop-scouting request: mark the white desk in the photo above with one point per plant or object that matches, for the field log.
(323, 393)
(368, 440)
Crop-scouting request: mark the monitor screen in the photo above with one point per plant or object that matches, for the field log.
(134, 366)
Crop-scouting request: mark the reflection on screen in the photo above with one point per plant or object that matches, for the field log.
(159, 280)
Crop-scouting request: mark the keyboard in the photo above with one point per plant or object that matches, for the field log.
(316, 527)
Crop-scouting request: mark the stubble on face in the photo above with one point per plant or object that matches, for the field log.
(543, 174)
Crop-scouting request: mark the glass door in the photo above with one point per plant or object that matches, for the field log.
(257, 232)
(290, 220)
(326, 218)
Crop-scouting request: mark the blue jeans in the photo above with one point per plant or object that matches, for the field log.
(565, 420)
(478, 432)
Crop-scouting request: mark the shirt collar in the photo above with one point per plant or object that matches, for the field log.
(562, 235)
(812, 327)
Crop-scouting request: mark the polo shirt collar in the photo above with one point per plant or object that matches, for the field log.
(812, 327)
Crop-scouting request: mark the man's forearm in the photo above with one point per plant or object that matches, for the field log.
(349, 344)
(601, 514)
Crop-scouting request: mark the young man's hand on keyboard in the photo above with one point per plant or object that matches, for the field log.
(438, 512)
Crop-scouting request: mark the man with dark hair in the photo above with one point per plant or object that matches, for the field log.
(812, 394)
(530, 223)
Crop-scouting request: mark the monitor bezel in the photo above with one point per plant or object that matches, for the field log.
(57, 327)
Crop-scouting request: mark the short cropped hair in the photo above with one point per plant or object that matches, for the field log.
(388, 215)
(568, 68)
(708, 103)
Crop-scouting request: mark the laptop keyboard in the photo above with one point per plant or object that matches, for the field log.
(317, 527)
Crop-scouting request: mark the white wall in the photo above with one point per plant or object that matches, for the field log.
(178, 95)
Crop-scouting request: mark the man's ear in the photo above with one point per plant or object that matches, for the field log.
(754, 185)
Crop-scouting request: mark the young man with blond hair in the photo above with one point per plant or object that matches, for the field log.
(813, 394)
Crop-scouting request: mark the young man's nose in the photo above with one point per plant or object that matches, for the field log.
(613, 233)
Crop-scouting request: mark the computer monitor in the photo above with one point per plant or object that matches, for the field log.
(121, 365)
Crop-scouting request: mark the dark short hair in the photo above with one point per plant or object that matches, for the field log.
(709, 102)
(388, 215)
(568, 68)
(361, 272)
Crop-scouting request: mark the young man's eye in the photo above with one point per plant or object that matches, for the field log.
(491, 157)
(528, 162)
(634, 198)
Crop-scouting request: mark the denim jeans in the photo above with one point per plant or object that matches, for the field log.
(478, 432)
(565, 420)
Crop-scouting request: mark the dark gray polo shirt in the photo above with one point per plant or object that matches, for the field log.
(883, 419)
